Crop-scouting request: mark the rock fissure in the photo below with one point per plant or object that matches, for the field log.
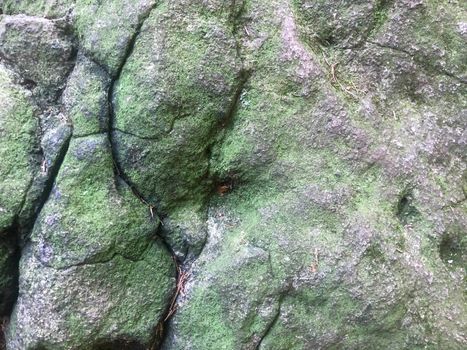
(159, 332)
(92, 263)
(213, 117)
(52, 173)
(271, 325)
(424, 62)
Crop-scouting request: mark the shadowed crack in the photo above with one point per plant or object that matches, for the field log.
(423, 61)
(159, 333)
(49, 183)
(129, 50)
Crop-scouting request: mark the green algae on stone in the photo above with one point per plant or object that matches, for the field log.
(95, 238)
(86, 98)
(168, 106)
(18, 133)
(38, 50)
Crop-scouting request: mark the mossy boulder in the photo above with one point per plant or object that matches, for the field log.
(18, 131)
(327, 235)
(93, 250)
(38, 50)
(307, 161)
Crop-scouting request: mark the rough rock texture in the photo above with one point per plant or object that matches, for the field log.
(18, 143)
(89, 261)
(307, 161)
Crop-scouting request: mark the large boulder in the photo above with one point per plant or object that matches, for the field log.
(340, 229)
(307, 160)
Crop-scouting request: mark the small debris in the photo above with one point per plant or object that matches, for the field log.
(315, 263)
(182, 279)
(44, 167)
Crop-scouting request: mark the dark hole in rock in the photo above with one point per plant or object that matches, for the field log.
(375, 253)
(119, 344)
(29, 84)
(406, 211)
(453, 249)
(326, 40)
(9, 276)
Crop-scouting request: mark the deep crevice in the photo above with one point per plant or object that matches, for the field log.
(159, 331)
(111, 120)
(9, 288)
(48, 186)
(406, 211)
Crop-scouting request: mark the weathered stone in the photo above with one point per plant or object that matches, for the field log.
(37, 49)
(19, 141)
(86, 98)
(105, 29)
(307, 160)
(332, 236)
(91, 261)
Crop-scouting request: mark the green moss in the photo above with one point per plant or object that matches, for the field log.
(18, 133)
(204, 323)
(86, 199)
(86, 98)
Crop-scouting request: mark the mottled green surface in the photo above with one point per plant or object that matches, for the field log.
(18, 128)
(92, 265)
(86, 98)
(307, 158)
(38, 49)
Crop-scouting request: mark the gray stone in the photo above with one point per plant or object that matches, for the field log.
(307, 161)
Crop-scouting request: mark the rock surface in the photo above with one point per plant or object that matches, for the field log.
(304, 163)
